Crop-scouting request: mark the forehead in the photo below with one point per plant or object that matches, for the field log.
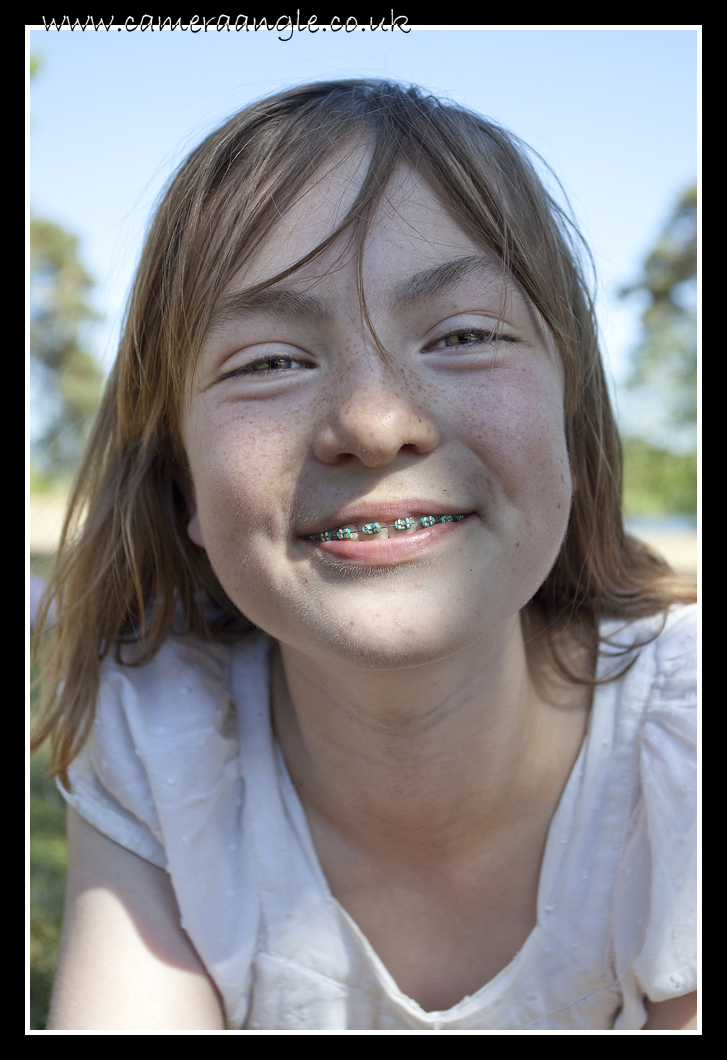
(414, 250)
(409, 226)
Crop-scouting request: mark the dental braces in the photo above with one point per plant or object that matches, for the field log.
(345, 532)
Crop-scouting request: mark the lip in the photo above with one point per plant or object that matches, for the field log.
(385, 511)
(390, 551)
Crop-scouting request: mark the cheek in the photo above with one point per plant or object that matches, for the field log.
(241, 469)
(515, 421)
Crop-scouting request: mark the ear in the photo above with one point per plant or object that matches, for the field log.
(184, 482)
(194, 529)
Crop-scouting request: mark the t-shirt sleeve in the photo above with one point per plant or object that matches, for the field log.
(161, 775)
(110, 787)
(656, 896)
(162, 752)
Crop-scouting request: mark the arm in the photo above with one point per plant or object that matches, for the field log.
(676, 1014)
(125, 962)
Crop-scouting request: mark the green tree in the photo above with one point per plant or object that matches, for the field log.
(67, 380)
(66, 376)
(658, 482)
(664, 370)
(661, 391)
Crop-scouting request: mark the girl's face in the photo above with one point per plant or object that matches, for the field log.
(298, 424)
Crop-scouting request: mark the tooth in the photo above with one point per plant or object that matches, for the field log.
(405, 523)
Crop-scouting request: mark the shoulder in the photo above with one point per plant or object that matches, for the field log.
(676, 656)
(671, 631)
(659, 653)
(669, 733)
(165, 730)
(146, 707)
(179, 707)
(658, 690)
(655, 897)
(187, 676)
(179, 660)
(653, 709)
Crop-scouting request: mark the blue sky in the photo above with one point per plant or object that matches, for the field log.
(613, 111)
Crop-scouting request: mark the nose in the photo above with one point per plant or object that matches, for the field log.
(374, 419)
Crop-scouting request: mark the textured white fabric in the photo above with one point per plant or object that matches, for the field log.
(182, 768)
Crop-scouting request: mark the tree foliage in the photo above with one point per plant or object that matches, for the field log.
(664, 374)
(657, 482)
(67, 377)
(67, 380)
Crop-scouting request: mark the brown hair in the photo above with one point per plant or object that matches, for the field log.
(129, 573)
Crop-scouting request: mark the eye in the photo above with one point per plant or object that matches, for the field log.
(272, 364)
(466, 338)
(268, 366)
(463, 337)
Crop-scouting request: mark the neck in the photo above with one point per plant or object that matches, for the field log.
(399, 760)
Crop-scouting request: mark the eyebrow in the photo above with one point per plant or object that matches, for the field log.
(289, 304)
(440, 278)
(283, 302)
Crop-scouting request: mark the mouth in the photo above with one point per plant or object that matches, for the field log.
(404, 525)
(400, 539)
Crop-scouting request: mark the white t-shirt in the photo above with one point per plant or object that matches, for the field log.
(183, 769)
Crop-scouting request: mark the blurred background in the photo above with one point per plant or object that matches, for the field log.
(612, 113)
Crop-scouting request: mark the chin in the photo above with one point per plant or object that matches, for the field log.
(388, 643)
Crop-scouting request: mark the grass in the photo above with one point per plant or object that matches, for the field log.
(47, 868)
(47, 885)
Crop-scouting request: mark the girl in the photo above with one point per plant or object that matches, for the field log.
(368, 713)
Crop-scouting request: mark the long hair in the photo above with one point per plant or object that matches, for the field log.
(126, 572)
